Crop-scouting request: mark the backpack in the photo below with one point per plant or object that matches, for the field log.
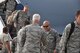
(21, 20)
(71, 31)
(10, 19)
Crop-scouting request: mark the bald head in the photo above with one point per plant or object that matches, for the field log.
(46, 23)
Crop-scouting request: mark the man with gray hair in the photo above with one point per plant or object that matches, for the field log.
(30, 37)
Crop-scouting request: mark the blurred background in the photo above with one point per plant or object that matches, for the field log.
(58, 12)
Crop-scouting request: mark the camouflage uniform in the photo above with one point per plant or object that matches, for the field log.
(52, 39)
(10, 7)
(29, 39)
(73, 45)
(20, 19)
(2, 9)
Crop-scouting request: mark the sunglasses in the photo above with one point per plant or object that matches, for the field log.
(46, 26)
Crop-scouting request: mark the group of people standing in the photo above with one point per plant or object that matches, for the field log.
(23, 34)
(36, 39)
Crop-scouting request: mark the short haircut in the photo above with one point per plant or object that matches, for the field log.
(78, 13)
(26, 6)
(36, 17)
(5, 29)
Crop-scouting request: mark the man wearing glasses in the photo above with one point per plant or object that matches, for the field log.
(52, 36)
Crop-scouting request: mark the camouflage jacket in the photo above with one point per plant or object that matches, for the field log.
(53, 39)
(73, 45)
(29, 39)
(20, 19)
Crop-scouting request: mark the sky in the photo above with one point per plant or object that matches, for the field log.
(58, 12)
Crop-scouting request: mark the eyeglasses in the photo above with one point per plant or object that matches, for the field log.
(46, 26)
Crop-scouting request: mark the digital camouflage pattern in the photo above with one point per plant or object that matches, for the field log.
(73, 45)
(30, 39)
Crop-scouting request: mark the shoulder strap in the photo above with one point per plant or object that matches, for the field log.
(16, 14)
(71, 31)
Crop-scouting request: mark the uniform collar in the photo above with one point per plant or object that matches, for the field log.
(35, 24)
(76, 25)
